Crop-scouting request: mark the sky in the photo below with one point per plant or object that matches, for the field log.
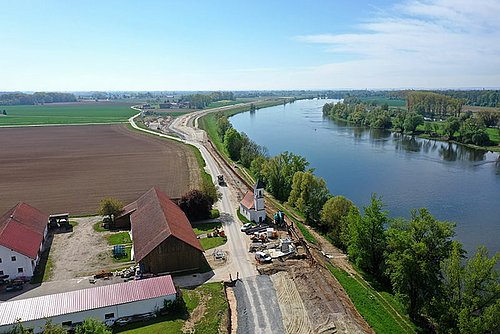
(248, 45)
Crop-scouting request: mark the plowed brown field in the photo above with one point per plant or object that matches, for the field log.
(71, 168)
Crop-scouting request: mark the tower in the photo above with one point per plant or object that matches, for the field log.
(258, 196)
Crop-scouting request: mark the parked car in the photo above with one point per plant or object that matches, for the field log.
(245, 227)
(263, 257)
(14, 287)
(134, 318)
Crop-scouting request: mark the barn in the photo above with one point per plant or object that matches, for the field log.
(106, 303)
(23, 230)
(163, 239)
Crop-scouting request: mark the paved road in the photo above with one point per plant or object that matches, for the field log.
(257, 304)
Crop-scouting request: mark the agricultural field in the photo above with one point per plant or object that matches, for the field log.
(66, 113)
(71, 168)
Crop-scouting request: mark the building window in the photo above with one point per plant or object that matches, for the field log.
(1, 272)
(0, 260)
(13, 258)
(20, 270)
(109, 315)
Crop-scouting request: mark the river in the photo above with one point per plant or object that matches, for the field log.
(454, 182)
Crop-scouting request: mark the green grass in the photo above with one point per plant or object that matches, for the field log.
(242, 218)
(372, 307)
(379, 100)
(210, 323)
(305, 232)
(214, 213)
(65, 114)
(124, 258)
(494, 135)
(98, 227)
(119, 238)
(44, 269)
(206, 228)
(222, 103)
(73, 223)
(209, 243)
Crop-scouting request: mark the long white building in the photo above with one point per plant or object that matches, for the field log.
(109, 302)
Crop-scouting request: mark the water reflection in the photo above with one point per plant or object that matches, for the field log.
(406, 143)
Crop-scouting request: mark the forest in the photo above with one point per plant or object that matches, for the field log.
(35, 98)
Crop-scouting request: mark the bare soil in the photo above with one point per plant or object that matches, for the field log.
(82, 252)
(71, 168)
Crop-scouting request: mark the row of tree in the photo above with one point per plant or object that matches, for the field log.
(379, 117)
(465, 128)
(89, 326)
(35, 98)
(433, 104)
(200, 101)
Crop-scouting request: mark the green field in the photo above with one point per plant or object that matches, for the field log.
(65, 114)
(209, 243)
(119, 238)
(383, 100)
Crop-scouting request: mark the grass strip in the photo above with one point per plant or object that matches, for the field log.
(209, 243)
(206, 227)
(373, 309)
(119, 238)
(305, 232)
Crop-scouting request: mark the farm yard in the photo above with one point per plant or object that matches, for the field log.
(71, 168)
(66, 113)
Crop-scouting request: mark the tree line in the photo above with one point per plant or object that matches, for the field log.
(463, 127)
(35, 98)
(415, 258)
(200, 101)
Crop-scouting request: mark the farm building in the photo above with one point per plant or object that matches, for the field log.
(106, 303)
(163, 239)
(252, 206)
(23, 230)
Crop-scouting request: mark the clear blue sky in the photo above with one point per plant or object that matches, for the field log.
(237, 45)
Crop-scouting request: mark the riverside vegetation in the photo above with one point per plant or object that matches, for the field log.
(416, 259)
(428, 114)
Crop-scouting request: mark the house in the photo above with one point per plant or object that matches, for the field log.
(23, 230)
(105, 303)
(163, 239)
(252, 206)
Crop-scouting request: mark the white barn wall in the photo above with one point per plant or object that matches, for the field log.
(10, 267)
(121, 310)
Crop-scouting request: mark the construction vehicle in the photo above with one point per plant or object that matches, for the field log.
(220, 180)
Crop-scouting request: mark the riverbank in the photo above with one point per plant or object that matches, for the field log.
(420, 134)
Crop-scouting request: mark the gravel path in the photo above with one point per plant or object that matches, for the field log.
(257, 306)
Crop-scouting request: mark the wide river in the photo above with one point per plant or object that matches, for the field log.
(455, 183)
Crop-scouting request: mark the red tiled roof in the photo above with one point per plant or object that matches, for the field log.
(127, 210)
(156, 219)
(22, 229)
(87, 299)
(248, 201)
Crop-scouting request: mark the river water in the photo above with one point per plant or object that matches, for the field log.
(455, 183)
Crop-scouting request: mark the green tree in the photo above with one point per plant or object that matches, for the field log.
(223, 125)
(472, 131)
(110, 207)
(196, 205)
(250, 150)
(451, 126)
(233, 143)
(367, 237)
(309, 193)
(488, 117)
(256, 167)
(92, 326)
(208, 189)
(412, 120)
(51, 328)
(415, 251)
(278, 173)
(334, 219)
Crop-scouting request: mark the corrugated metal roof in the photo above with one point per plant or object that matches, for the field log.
(86, 299)
(22, 229)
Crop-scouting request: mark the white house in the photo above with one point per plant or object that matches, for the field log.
(252, 206)
(23, 230)
(105, 303)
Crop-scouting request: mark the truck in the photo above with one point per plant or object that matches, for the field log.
(220, 180)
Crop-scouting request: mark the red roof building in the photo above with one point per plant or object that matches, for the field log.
(108, 302)
(23, 230)
(163, 239)
(252, 206)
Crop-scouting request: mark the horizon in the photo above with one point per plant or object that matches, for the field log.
(190, 46)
